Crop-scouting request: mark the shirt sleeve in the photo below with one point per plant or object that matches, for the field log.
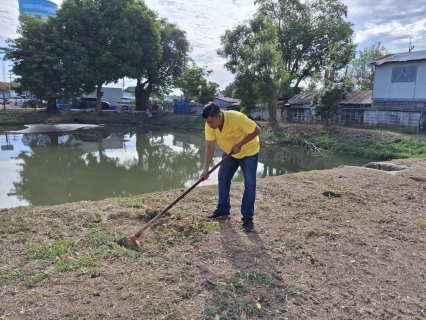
(209, 133)
(247, 125)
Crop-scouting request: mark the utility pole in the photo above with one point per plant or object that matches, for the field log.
(410, 47)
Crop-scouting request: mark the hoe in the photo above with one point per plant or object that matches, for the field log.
(132, 242)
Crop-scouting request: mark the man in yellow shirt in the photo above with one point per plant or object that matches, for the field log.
(236, 133)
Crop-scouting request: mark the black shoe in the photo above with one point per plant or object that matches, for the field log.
(248, 224)
(218, 215)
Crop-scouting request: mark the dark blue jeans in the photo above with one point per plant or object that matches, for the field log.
(226, 173)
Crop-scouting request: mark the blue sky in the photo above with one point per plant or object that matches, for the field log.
(392, 22)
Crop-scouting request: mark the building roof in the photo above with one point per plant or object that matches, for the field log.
(358, 97)
(226, 99)
(301, 98)
(4, 86)
(355, 97)
(400, 57)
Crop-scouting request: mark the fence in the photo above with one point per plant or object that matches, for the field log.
(410, 121)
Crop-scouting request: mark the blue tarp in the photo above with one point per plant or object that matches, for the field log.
(181, 106)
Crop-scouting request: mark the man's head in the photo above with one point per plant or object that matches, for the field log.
(212, 115)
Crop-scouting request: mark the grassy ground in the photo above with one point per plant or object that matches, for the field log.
(346, 243)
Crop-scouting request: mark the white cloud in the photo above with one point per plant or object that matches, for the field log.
(392, 22)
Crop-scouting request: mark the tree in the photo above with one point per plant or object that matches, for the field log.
(307, 38)
(35, 56)
(229, 90)
(208, 90)
(312, 36)
(326, 101)
(103, 39)
(360, 72)
(130, 90)
(194, 85)
(253, 55)
(164, 74)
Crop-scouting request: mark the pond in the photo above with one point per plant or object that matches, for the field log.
(55, 164)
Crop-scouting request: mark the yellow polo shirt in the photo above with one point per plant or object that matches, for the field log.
(236, 127)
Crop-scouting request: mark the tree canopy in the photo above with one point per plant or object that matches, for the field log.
(36, 61)
(229, 90)
(164, 74)
(285, 43)
(88, 44)
(326, 101)
(252, 54)
(194, 84)
(312, 36)
(360, 72)
(104, 39)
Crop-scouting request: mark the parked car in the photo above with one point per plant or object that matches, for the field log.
(30, 103)
(86, 103)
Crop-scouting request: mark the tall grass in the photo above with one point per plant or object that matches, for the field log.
(406, 148)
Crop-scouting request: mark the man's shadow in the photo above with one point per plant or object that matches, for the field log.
(246, 250)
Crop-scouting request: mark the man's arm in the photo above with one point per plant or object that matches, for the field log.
(251, 136)
(208, 159)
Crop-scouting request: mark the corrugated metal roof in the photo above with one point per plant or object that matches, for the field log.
(4, 86)
(400, 57)
(301, 98)
(358, 97)
(232, 100)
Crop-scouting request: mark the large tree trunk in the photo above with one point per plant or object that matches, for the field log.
(272, 109)
(51, 105)
(324, 120)
(142, 94)
(99, 95)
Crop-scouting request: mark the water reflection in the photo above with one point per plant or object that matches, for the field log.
(96, 163)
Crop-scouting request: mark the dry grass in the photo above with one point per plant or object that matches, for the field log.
(347, 243)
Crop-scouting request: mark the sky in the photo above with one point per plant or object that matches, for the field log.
(392, 22)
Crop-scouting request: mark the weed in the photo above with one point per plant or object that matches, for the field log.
(49, 251)
(292, 244)
(273, 136)
(321, 205)
(207, 254)
(133, 202)
(259, 276)
(326, 233)
(387, 220)
(406, 148)
(311, 232)
(294, 289)
(422, 224)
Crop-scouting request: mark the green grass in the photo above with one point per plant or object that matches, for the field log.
(197, 123)
(64, 254)
(406, 148)
(275, 136)
(7, 117)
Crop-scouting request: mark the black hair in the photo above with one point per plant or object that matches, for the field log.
(211, 110)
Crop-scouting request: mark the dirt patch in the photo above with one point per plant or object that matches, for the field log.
(347, 243)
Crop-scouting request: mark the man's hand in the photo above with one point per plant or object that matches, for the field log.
(204, 175)
(236, 149)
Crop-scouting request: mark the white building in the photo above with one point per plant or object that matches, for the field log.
(111, 95)
(400, 81)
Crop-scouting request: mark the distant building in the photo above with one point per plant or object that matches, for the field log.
(301, 100)
(6, 89)
(42, 7)
(400, 81)
(357, 99)
(227, 103)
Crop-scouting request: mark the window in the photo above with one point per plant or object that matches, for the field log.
(404, 74)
